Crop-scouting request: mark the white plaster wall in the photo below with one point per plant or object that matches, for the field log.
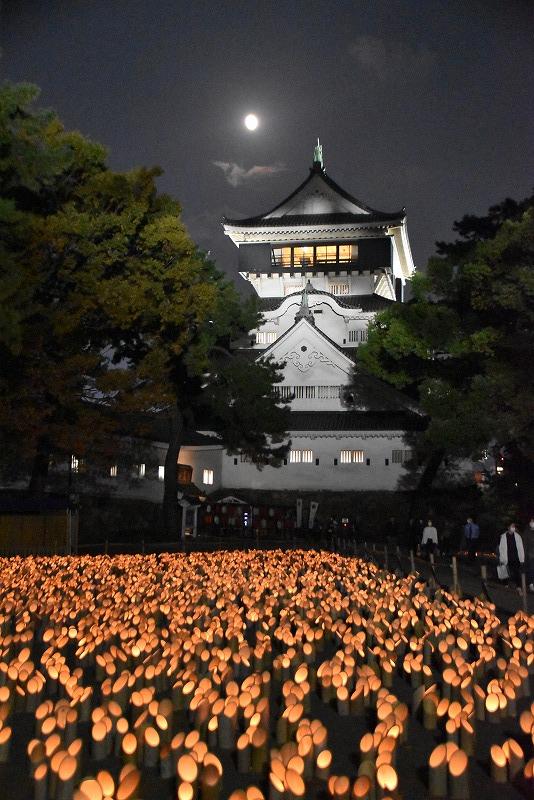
(201, 458)
(334, 320)
(343, 477)
(280, 285)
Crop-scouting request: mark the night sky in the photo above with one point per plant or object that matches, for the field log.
(426, 104)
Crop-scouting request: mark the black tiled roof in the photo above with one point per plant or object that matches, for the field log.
(367, 302)
(298, 220)
(372, 214)
(355, 421)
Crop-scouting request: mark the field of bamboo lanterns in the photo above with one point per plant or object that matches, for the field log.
(257, 674)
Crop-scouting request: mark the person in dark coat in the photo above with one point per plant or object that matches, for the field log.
(528, 542)
(471, 536)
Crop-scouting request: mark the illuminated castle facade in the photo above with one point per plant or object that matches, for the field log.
(323, 263)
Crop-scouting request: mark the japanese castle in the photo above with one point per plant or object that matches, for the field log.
(322, 263)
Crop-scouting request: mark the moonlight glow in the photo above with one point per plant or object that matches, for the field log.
(251, 122)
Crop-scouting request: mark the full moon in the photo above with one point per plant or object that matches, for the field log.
(251, 122)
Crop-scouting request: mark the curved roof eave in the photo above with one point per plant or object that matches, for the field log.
(314, 171)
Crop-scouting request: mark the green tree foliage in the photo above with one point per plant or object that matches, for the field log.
(463, 345)
(107, 306)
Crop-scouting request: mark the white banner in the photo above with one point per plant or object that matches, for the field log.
(299, 513)
(314, 505)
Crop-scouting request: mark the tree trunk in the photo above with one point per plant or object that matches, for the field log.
(425, 482)
(171, 509)
(40, 464)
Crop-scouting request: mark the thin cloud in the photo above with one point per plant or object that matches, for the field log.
(392, 60)
(236, 175)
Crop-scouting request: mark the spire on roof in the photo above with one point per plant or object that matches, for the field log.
(304, 311)
(318, 155)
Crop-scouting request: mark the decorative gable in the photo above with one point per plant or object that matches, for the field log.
(310, 356)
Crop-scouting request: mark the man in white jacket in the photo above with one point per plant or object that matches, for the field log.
(512, 553)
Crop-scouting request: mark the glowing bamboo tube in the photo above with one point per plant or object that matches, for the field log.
(40, 782)
(129, 748)
(458, 776)
(343, 701)
(151, 747)
(341, 788)
(243, 753)
(294, 785)
(367, 747)
(36, 754)
(276, 787)
(129, 786)
(210, 782)
(437, 772)
(227, 724)
(515, 758)
(492, 708)
(323, 763)
(467, 737)
(91, 789)
(107, 784)
(480, 702)
(361, 789)
(187, 769)
(526, 722)
(430, 703)
(65, 778)
(387, 780)
(498, 764)
(99, 741)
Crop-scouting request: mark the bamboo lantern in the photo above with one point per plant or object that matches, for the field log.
(437, 772)
(243, 753)
(65, 778)
(90, 789)
(515, 758)
(295, 787)
(151, 747)
(498, 764)
(467, 736)
(40, 782)
(361, 789)
(492, 708)
(187, 769)
(276, 787)
(387, 780)
(99, 740)
(210, 782)
(107, 784)
(129, 748)
(322, 765)
(458, 776)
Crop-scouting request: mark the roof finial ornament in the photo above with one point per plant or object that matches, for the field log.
(305, 311)
(318, 155)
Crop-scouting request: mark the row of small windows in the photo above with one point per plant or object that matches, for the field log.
(268, 337)
(308, 255)
(77, 465)
(305, 456)
(358, 336)
(337, 288)
(309, 392)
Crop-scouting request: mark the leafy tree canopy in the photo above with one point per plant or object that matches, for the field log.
(464, 344)
(106, 303)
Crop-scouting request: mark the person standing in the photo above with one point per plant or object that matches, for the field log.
(512, 554)
(528, 542)
(429, 539)
(471, 536)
